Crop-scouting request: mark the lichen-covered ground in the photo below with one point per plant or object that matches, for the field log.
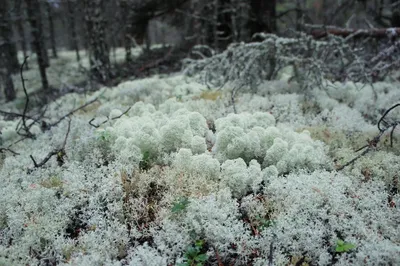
(167, 174)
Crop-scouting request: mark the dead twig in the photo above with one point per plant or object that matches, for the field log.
(11, 115)
(8, 149)
(118, 117)
(374, 33)
(60, 153)
(383, 126)
(24, 126)
(97, 126)
(72, 112)
(105, 121)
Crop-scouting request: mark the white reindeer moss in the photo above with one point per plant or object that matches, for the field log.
(238, 136)
(239, 178)
(247, 180)
(145, 255)
(315, 210)
(213, 218)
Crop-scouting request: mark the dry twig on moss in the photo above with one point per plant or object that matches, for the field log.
(60, 153)
(383, 126)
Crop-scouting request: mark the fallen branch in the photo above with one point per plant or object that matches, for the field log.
(105, 121)
(383, 126)
(8, 149)
(157, 62)
(97, 126)
(60, 153)
(118, 117)
(11, 115)
(374, 33)
(72, 112)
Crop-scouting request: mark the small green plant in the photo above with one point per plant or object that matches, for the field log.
(263, 223)
(179, 98)
(103, 135)
(180, 205)
(52, 182)
(145, 163)
(194, 255)
(342, 246)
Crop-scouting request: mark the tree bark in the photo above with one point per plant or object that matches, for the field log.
(7, 45)
(19, 23)
(358, 33)
(37, 36)
(51, 29)
(73, 41)
(126, 14)
(264, 16)
(215, 21)
(9, 90)
(99, 51)
(7, 62)
(39, 14)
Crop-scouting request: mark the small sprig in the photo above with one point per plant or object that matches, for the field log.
(342, 246)
(180, 205)
(194, 255)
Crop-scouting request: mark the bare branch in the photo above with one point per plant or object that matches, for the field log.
(8, 149)
(24, 126)
(60, 153)
(375, 33)
(72, 112)
(117, 117)
(105, 121)
(372, 144)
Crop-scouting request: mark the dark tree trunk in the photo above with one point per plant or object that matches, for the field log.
(126, 15)
(7, 45)
(13, 57)
(37, 36)
(215, 26)
(9, 90)
(6, 77)
(395, 19)
(51, 29)
(225, 27)
(7, 66)
(99, 52)
(263, 13)
(73, 41)
(19, 22)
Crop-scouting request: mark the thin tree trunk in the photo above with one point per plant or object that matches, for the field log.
(265, 16)
(198, 26)
(37, 35)
(244, 21)
(13, 57)
(299, 14)
(395, 19)
(41, 26)
(71, 22)
(51, 29)
(147, 38)
(9, 90)
(215, 24)
(99, 51)
(7, 54)
(234, 15)
(6, 77)
(126, 14)
(7, 45)
(19, 22)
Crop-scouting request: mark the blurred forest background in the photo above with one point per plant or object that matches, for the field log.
(96, 28)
